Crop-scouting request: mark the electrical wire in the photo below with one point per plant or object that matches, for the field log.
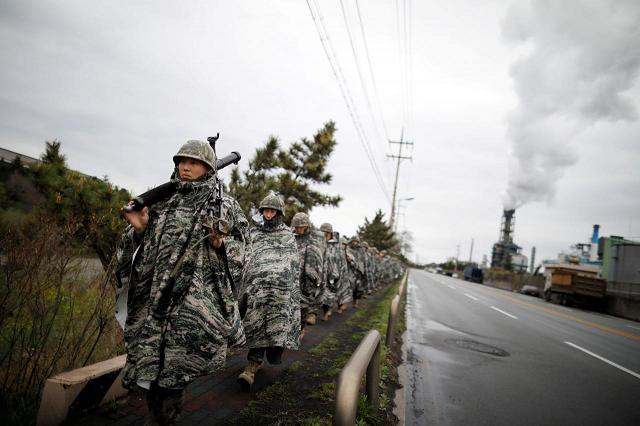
(362, 82)
(346, 94)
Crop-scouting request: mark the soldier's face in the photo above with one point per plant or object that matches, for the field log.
(269, 213)
(300, 229)
(328, 235)
(190, 168)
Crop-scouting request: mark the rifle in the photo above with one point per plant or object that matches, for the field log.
(166, 190)
(215, 212)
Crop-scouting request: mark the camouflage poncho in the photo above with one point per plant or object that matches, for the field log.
(357, 268)
(179, 325)
(332, 274)
(311, 248)
(343, 292)
(270, 282)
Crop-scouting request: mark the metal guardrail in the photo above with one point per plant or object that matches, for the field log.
(366, 358)
(393, 312)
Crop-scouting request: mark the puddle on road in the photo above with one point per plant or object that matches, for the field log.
(478, 347)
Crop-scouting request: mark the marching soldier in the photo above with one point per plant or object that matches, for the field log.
(172, 269)
(332, 276)
(271, 289)
(311, 249)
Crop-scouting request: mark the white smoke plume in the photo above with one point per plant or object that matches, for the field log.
(581, 56)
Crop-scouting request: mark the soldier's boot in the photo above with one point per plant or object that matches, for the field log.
(341, 308)
(355, 303)
(247, 377)
(329, 312)
(302, 334)
(325, 315)
(311, 319)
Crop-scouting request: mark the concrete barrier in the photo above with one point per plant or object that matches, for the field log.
(68, 395)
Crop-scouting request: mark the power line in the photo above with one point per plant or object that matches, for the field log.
(346, 94)
(373, 79)
(362, 83)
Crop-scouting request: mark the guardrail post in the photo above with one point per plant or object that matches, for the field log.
(366, 357)
(393, 320)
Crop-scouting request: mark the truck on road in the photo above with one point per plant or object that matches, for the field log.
(473, 274)
(569, 286)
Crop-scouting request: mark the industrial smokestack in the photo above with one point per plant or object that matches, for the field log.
(507, 226)
(594, 238)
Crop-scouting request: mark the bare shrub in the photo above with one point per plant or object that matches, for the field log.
(53, 316)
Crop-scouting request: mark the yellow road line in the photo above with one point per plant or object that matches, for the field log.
(558, 314)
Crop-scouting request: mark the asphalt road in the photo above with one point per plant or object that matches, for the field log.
(478, 355)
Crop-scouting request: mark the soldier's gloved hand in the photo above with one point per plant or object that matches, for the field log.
(216, 239)
(138, 219)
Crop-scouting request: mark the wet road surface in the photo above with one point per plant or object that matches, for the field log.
(478, 355)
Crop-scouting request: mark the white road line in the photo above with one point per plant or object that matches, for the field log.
(503, 312)
(450, 286)
(637, 328)
(470, 297)
(604, 359)
(564, 309)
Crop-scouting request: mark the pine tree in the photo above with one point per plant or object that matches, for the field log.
(291, 173)
(377, 233)
(71, 196)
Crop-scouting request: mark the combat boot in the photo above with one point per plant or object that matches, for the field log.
(311, 319)
(341, 308)
(355, 303)
(325, 315)
(247, 377)
(302, 334)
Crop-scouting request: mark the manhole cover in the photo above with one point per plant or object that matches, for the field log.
(479, 347)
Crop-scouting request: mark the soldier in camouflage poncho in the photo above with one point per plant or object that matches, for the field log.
(368, 269)
(332, 274)
(272, 291)
(173, 286)
(355, 257)
(343, 293)
(311, 248)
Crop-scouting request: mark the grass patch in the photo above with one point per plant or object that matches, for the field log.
(327, 344)
(326, 392)
(366, 413)
(294, 366)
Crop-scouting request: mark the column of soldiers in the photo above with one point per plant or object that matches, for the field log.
(189, 289)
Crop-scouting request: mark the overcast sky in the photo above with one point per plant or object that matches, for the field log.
(527, 104)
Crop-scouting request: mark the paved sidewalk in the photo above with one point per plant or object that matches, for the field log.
(214, 399)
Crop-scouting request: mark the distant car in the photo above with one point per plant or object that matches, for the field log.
(454, 276)
(531, 290)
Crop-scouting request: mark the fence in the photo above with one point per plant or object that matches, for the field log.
(366, 358)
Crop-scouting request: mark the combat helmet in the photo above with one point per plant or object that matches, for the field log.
(326, 227)
(343, 240)
(354, 238)
(198, 150)
(300, 219)
(272, 201)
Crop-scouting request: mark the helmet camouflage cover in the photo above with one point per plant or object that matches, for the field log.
(343, 240)
(354, 238)
(272, 201)
(365, 244)
(300, 219)
(326, 227)
(198, 150)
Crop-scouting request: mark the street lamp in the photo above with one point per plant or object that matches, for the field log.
(395, 230)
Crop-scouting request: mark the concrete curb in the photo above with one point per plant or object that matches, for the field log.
(72, 393)
(400, 399)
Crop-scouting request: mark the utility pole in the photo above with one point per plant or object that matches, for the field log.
(471, 254)
(455, 269)
(395, 186)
